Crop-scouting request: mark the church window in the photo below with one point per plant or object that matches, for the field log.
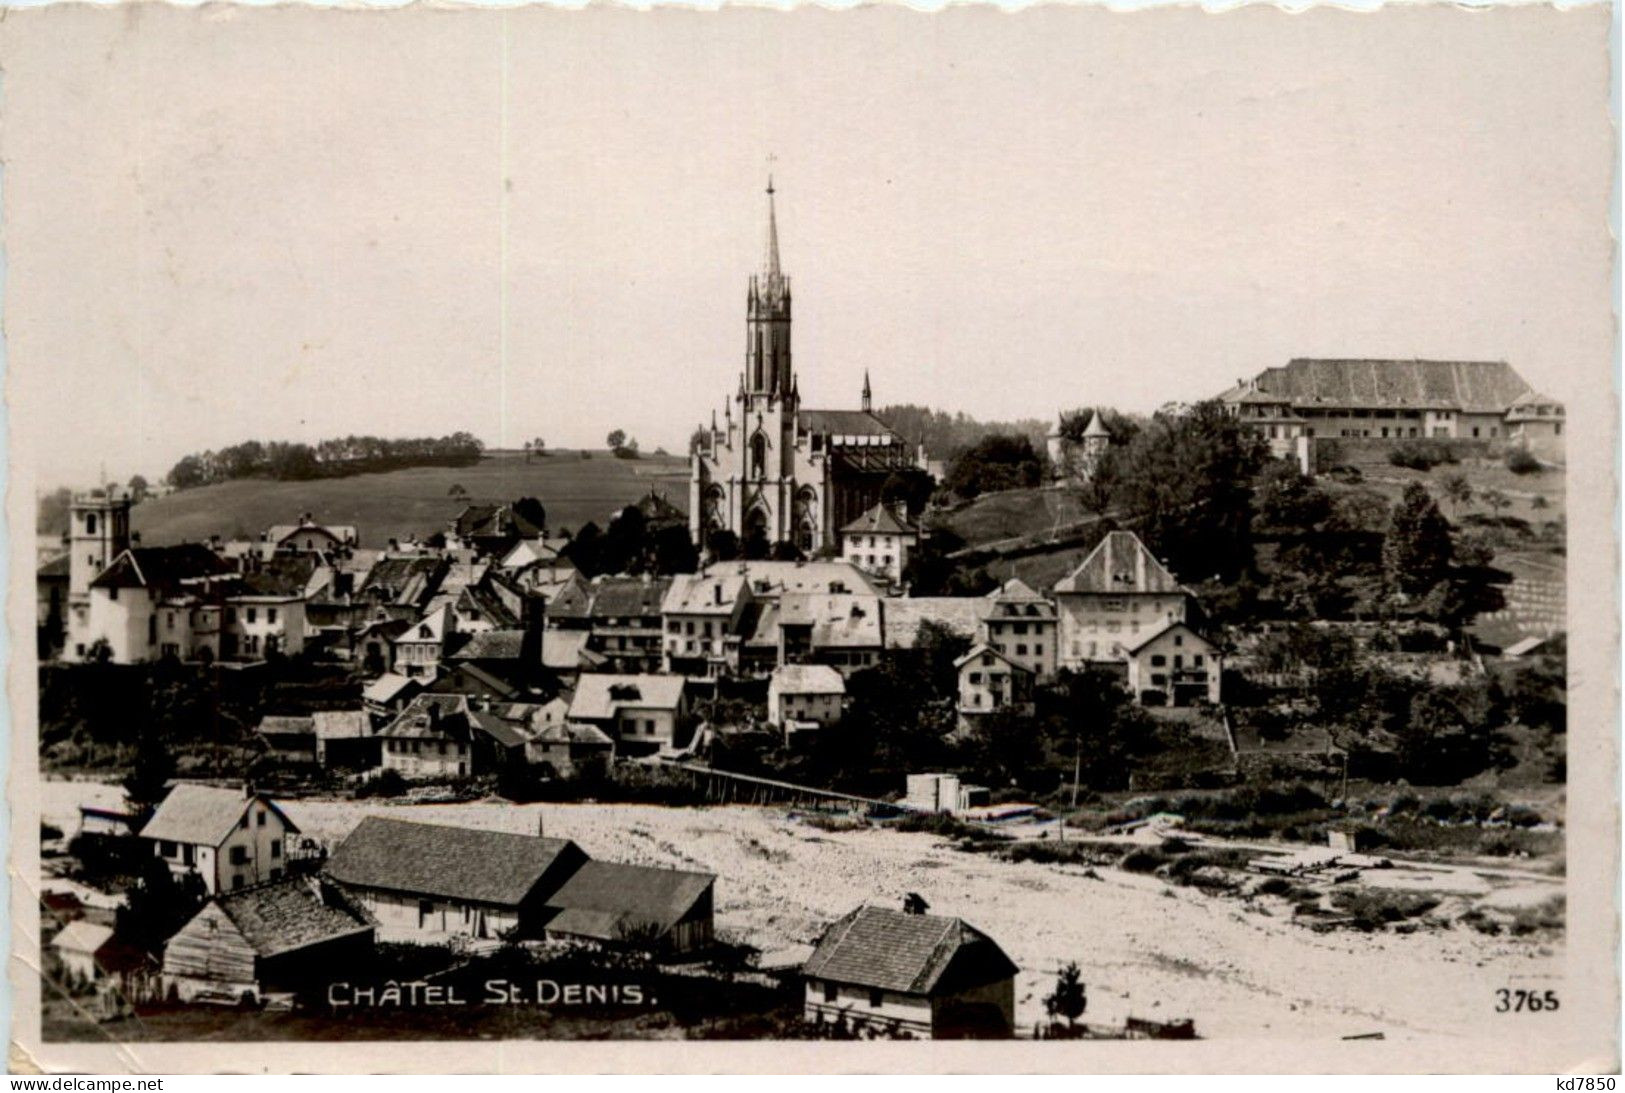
(90, 523)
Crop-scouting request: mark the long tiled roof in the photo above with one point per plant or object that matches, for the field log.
(843, 423)
(904, 615)
(1485, 387)
(162, 568)
(452, 862)
(891, 950)
(878, 520)
(599, 695)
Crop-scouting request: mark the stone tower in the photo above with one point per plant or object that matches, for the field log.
(98, 532)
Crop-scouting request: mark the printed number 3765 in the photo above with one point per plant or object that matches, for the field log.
(1521, 1001)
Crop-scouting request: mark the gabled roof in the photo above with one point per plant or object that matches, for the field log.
(431, 627)
(406, 579)
(605, 900)
(453, 862)
(203, 815)
(808, 679)
(82, 937)
(282, 575)
(387, 686)
(837, 621)
(1017, 600)
(342, 533)
(1121, 564)
(843, 423)
(287, 914)
(285, 725)
(1168, 629)
(565, 650)
(493, 645)
(600, 695)
(162, 568)
(628, 597)
(431, 717)
(883, 949)
(562, 732)
(878, 520)
(770, 578)
(341, 724)
(57, 567)
(978, 651)
(713, 592)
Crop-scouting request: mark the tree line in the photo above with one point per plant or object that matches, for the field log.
(335, 458)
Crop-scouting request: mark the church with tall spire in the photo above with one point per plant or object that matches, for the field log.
(772, 471)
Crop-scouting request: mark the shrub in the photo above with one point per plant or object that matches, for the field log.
(1142, 860)
(1422, 454)
(1519, 461)
(389, 783)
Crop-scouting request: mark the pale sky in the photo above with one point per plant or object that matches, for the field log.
(226, 223)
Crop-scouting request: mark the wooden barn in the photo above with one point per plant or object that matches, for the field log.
(265, 941)
(639, 906)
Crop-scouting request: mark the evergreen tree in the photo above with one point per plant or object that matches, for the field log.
(1417, 552)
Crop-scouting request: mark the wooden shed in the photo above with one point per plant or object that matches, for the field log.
(267, 940)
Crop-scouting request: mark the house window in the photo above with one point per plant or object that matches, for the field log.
(242, 821)
(253, 614)
(188, 854)
(90, 523)
(829, 992)
(976, 677)
(259, 819)
(1196, 660)
(1158, 660)
(236, 880)
(270, 614)
(166, 848)
(276, 848)
(239, 855)
(876, 999)
(425, 909)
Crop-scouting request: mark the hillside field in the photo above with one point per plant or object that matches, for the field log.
(573, 486)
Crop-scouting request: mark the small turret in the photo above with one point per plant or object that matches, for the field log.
(868, 395)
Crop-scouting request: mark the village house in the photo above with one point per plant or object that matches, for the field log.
(269, 940)
(1119, 595)
(427, 882)
(1177, 664)
(842, 630)
(1317, 398)
(1022, 626)
(230, 838)
(569, 748)
(89, 952)
(880, 541)
(702, 613)
(625, 622)
(373, 643)
(642, 713)
(432, 737)
(494, 530)
(310, 537)
(410, 581)
(98, 532)
(926, 976)
(288, 739)
(417, 651)
(1535, 423)
(385, 697)
(639, 906)
(345, 740)
(142, 604)
(989, 681)
(1078, 460)
(805, 696)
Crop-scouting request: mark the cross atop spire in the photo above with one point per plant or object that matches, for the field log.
(770, 263)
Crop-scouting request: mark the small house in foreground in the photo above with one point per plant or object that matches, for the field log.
(89, 952)
(266, 940)
(232, 838)
(895, 973)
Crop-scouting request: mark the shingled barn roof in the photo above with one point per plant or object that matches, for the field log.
(451, 862)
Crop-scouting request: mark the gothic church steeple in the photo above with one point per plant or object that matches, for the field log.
(767, 319)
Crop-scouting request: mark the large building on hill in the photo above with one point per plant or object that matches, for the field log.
(1401, 399)
(774, 469)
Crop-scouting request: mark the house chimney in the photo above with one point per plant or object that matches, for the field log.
(716, 594)
(434, 715)
(248, 789)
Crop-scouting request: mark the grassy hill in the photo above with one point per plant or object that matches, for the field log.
(574, 486)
